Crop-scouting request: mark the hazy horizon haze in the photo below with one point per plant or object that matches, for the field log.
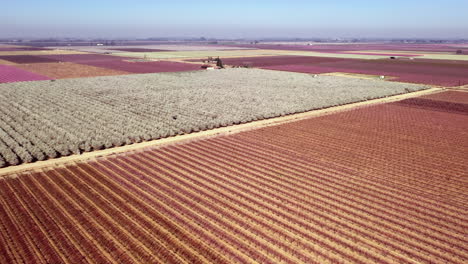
(238, 19)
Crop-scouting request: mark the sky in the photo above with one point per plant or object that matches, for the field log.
(234, 19)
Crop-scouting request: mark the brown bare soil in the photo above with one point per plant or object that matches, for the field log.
(66, 70)
(5, 62)
(450, 96)
(379, 184)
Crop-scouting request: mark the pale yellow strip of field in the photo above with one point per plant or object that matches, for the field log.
(201, 54)
(4, 172)
(423, 55)
(12, 46)
(409, 52)
(359, 76)
(41, 52)
(335, 55)
(5, 62)
(241, 53)
(460, 57)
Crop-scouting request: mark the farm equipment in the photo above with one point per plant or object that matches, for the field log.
(211, 62)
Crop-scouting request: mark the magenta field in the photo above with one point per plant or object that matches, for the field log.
(12, 74)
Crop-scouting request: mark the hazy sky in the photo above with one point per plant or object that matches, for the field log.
(219, 18)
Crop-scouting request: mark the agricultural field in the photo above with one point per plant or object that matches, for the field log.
(10, 73)
(378, 184)
(337, 47)
(440, 73)
(144, 67)
(370, 51)
(241, 53)
(81, 115)
(62, 66)
(273, 61)
(66, 70)
(424, 71)
(135, 48)
(200, 54)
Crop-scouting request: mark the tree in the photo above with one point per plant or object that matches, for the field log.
(219, 63)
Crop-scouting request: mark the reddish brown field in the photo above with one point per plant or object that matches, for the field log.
(442, 73)
(274, 61)
(379, 184)
(65, 70)
(450, 96)
(5, 62)
(20, 59)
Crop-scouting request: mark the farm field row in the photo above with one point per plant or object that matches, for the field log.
(356, 51)
(62, 66)
(123, 48)
(66, 70)
(431, 72)
(379, 184)
(80, 115)
(241, 53)
(371, 51)
(425, 76)
(13, 74)
(451, 48)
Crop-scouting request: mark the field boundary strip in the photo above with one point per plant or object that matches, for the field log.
(9, 171)
(358, 75)
(386, 78)
(459, 88)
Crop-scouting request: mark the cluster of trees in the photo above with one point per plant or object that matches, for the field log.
(42, 120)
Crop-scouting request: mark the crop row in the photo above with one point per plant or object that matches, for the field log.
(461, 108)
(79, 115)
(449, 96)
(295, 198)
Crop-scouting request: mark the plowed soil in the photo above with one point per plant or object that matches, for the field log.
(381, 184)
(441, 73)
(5, 62)
(68, 70)
(145, 67)
(450, 96)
